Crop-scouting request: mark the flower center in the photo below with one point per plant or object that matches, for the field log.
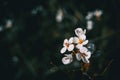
(67, 44)
(80, 41)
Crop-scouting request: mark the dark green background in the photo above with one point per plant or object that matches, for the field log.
(36, 40)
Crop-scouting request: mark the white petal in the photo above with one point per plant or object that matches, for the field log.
(89, 25)
(76, 40)
(83, 50)
(66, 60)
(78, 46)
(89, 15)
(65, 41)
(78, 31)
(85, 60)
(84, 31)
(78, 56)
(71, 40)
(82, 36)
(88, 55)
(71, 47)
(69, 56)
(85, 42)
(63, 50)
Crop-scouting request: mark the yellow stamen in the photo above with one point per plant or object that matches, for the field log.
(80, 41)
(67, 44)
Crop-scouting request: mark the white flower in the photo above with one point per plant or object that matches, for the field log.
(67, 45)
(80, 41)
(80, 31)
(98, 13)
(89, 25)
(89, 15)
(59, 15)
(85, 58)
(84, 55)
(68, 59)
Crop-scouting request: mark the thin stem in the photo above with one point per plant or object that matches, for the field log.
(107, 67)
(73, 52)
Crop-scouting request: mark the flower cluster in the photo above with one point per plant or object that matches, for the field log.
(90, 15)
(76, 47)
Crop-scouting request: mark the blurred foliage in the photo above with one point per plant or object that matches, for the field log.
(30, 47)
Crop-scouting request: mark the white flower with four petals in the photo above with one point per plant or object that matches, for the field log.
(81, 39)
(67, 59)
(83, 55)
(67, 45)
(80, 31)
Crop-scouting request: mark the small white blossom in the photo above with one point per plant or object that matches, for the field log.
(98, 13)
(84, 55)
(89, 25)
(80, 31)
(59, 15)
(89, 15)
(67, 45)
(86, 58)
(67, 59)
(81, 41)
